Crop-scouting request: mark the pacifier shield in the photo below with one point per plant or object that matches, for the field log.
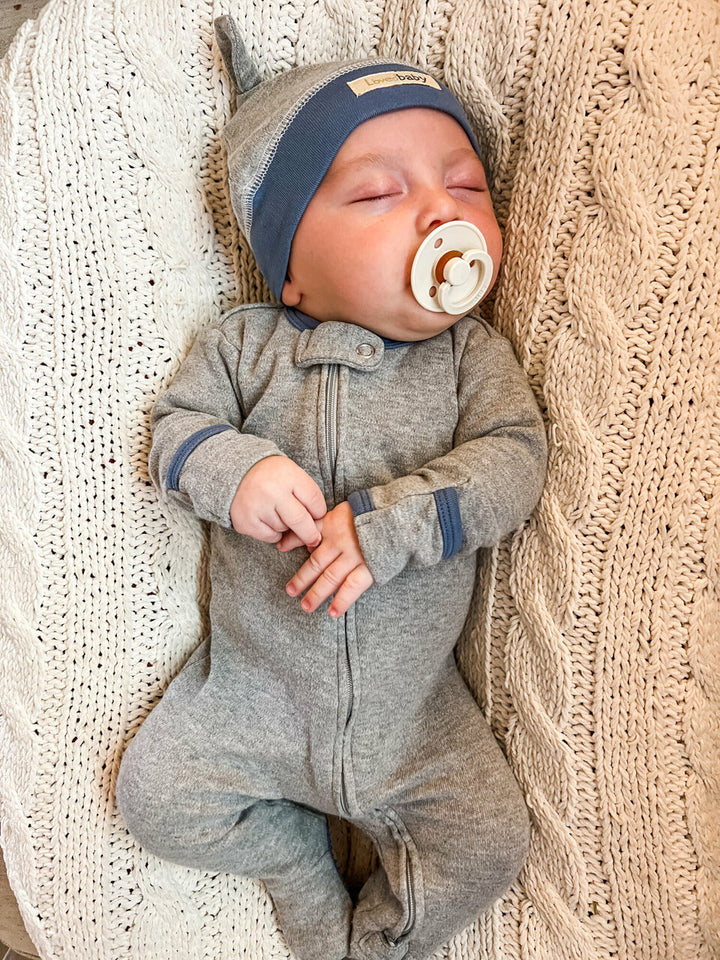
(452, 269)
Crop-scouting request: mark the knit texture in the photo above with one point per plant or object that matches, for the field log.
(594, 644)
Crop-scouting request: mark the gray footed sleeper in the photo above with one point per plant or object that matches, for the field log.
(282, 717)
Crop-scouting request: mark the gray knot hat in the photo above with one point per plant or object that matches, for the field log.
(286, 132)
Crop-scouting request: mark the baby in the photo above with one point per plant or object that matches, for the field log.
(353, 448)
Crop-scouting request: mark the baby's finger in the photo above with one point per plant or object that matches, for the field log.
(353, 587)
(296, 518)
(328, 583)
(264, 532)
(311, 570)
(310, 495)
(289, 541)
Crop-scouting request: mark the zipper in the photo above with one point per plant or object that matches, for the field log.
(332, 389)
(349, 688)
(409, 885)
(331, 404)
(411, 909)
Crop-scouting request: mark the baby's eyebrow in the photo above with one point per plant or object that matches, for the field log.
(464, 153)
(389, 161)
(376, 160)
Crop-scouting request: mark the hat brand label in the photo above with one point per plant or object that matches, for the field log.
(392, 78)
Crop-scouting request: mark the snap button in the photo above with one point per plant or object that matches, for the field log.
(366, 350)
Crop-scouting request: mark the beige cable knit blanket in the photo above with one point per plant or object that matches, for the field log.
(594, 646)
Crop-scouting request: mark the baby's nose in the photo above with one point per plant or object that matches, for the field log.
(438, 207)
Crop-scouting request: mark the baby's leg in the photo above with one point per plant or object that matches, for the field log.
(191, 808)
(451, 835)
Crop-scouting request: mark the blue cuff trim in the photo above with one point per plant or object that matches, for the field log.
(186, 448)
(361, 502)
(448, 508)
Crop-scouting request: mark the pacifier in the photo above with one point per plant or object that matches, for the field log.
(452, 269)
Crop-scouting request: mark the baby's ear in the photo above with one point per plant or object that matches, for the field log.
(291, 295)
(238, 64)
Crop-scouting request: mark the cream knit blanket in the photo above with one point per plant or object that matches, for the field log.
(595, 643)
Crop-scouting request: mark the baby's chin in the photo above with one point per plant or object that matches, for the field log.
(420, 325)
(409, 322)
(406, 320)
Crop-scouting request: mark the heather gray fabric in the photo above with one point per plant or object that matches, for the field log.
(282, 717)
(242, 70)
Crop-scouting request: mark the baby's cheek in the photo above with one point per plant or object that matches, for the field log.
(363, 276)
(493, 239)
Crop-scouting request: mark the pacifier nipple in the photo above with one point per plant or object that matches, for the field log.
(452, 269)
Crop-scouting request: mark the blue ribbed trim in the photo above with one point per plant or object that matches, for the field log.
(301, 321)
(186, 448)
(308, 146)
(448, 508)
(361, 502)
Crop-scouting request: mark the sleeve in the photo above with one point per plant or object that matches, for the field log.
(198, 455)
(485, 487)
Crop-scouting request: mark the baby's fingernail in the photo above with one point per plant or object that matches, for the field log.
(306, 606)
(291, 589)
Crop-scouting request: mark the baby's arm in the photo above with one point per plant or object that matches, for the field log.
(476, 493)
(201, 460)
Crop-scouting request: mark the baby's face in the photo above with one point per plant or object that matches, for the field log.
(395, 179)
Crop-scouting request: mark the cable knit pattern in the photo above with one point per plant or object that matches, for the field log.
(594, 642)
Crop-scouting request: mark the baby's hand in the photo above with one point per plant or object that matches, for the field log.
(276, 496)
(336, 567)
